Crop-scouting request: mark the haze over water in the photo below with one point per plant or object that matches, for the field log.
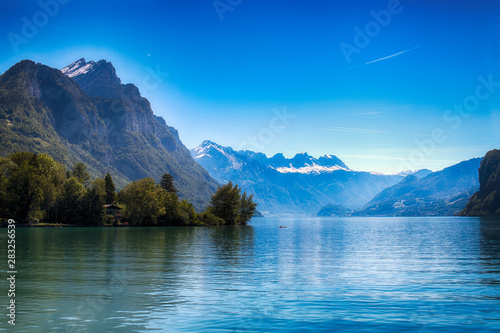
(316, 275)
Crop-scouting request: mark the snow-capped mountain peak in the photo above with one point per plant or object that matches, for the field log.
(224, 157)
(99, 79)
(297, 185)
(206, 147)
(301, 163)
(77, 68)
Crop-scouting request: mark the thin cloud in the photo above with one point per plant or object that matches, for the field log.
(385, 58)
(369, 114)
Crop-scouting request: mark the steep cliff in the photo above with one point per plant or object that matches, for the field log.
(486, 202)
(92, 117)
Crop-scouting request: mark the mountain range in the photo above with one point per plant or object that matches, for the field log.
(444, 192)
(84, 113)
(297, 186)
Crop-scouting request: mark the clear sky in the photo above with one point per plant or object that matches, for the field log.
(384, 85)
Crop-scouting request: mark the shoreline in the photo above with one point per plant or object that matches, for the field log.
(108, 226)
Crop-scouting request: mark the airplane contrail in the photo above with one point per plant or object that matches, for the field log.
(385, 58)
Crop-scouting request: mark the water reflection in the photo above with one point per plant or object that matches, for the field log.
(490, 253)
(343, 274)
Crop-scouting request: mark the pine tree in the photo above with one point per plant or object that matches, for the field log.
(167, 183)
(110, 189)
(93, 203)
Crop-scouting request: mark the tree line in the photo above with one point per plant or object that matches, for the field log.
(36, 188)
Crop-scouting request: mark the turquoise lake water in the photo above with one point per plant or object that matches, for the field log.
(316, 275)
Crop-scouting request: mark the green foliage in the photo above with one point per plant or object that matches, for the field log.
(225, 203)
(23, 185)
(34, 187)
(187, 209)
(3, 193)
(92, 202)
(177, 212)
(80, 172)
(69, 204)
(246, 209)
(171, 215)
(167, 183)
(231, 206)
(110, 189)
(33, 183)
(207, 218)
(38, 189)
(144, 200)
(148, 203)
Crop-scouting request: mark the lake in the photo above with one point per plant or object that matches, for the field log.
(439, 274)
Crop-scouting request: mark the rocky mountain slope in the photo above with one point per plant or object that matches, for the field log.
(486, 202)
(84, 113)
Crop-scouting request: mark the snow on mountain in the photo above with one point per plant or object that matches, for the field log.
(77, 68)
(225, 159)
(417, 173)
(293, 186)
(99, 79)
(307, 169)
(209, 149)
(301, 163)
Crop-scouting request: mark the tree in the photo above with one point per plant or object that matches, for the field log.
(167, 183)
(247, 208)
(33, 183)
(5, 164)
(228, 204)
(207, 218)
(80, 172)
(53, 174)
(171, 214)
(92, 204)
(225, 203)
(110, 189)
(187, 210)
(144, 201)
(69, 204)
(23, 185)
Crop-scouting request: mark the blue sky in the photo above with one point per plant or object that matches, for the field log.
(417, 87)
